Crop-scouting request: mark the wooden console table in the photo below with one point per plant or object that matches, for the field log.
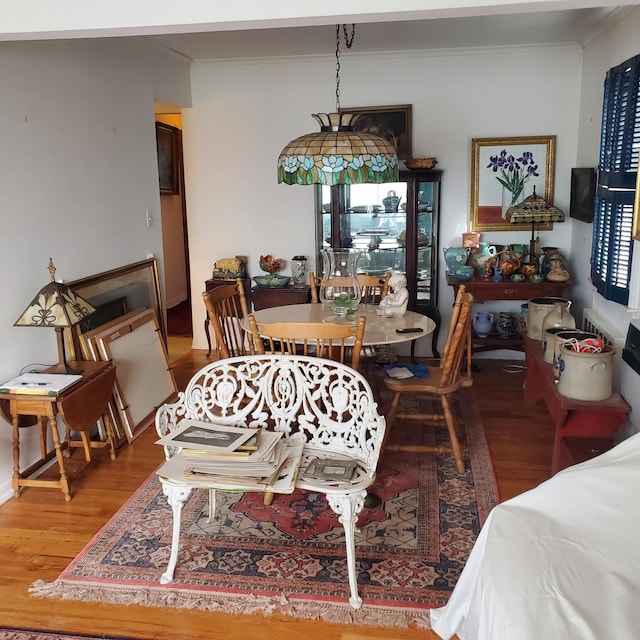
(572, 418)
(266, 297)
(484, 290)
(80, 406)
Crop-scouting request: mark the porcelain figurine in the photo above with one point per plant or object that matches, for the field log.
(394, 304)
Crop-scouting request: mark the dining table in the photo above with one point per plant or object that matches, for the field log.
(379, 330)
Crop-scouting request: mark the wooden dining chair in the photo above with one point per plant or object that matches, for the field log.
(442, 382)
(374, 288)
(320, 339)
(226, 306)
(315, 282)
(341, 342)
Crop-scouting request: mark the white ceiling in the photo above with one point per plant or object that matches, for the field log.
(548, 27)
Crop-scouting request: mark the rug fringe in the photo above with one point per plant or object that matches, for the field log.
(336, 612)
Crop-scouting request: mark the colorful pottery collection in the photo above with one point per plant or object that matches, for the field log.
(509, 262)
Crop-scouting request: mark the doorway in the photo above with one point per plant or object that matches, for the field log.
(175, 240)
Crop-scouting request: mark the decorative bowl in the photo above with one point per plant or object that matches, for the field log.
(463, 272)
(273, 281)
(518, 277)
(420, 163)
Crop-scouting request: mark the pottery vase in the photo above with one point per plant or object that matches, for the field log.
(391, 202)
(455, 257)
(524, 314)
(299, 271)
(504, 324)
(482, 324)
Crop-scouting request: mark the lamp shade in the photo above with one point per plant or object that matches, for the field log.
(534, 209)
(337, 155)
(55, 305)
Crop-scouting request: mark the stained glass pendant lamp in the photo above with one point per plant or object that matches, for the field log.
(337, 154)
(55, 305)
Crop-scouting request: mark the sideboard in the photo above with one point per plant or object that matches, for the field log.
(485, 290)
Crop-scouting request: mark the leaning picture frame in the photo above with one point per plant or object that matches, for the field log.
(131, 287)
(505, 171)
(392, 122)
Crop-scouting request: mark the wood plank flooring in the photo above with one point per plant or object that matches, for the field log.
(40, 533)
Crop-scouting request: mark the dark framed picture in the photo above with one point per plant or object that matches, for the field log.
(583, 193)
(390, 122)
(167, 142)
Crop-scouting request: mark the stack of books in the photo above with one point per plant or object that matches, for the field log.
(40, 384)
(234, 458)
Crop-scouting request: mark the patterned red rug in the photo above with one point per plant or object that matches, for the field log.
(290, 556)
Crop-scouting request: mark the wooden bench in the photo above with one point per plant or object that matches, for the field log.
(572, 418)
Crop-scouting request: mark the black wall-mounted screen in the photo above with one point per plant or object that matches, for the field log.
(583, 193)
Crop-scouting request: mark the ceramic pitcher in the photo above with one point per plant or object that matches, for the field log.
(455, 257)
(481, 256)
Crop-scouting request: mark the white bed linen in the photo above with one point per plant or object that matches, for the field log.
(559, 561)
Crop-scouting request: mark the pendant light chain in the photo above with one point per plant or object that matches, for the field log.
(348, 40)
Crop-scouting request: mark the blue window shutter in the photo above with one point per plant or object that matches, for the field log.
(612, 249)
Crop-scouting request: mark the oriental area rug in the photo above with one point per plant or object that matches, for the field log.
(290, 557)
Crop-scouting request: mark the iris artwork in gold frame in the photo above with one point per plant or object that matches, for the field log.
(505, 171)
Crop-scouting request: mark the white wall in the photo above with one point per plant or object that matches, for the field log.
(245, 112)
(77, 172)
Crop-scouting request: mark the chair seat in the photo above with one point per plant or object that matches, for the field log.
(442, 382)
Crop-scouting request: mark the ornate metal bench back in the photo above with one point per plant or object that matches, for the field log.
(323, 403)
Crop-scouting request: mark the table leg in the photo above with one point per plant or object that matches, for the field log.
(64, 481)
(42, 425)
(16, 457)
(206, 332)
(111, 438)
(176, 497)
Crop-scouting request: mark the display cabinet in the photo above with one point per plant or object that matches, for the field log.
(396, 226)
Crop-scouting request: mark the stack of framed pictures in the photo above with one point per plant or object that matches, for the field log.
(144, 378)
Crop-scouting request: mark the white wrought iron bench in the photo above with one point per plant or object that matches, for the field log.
(324, 405)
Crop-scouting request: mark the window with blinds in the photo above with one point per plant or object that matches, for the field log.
(612, 248)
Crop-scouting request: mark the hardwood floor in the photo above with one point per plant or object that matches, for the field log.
(40, 533)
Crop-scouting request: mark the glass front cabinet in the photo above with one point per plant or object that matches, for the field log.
(396, 226)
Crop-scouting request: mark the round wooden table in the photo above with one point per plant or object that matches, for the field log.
(378, 329)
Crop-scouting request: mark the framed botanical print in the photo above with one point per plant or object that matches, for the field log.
(505, 171)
